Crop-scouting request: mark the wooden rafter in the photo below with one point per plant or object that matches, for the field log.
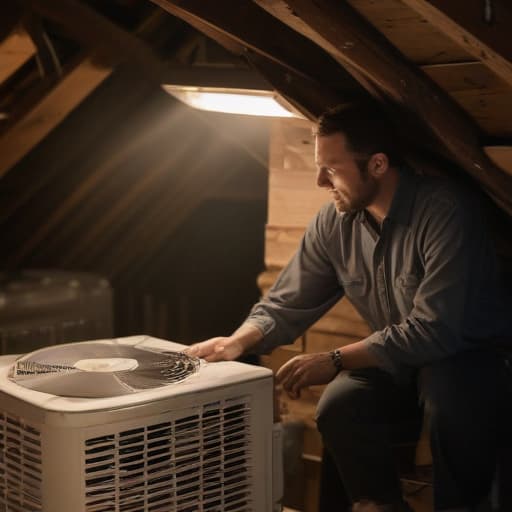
(481, 28)
(340, 30)
(243, 28)
(248, 25)
(49, 112)
(302, 93)
(105, 40)
(501, 156)
(15, 50)
(100, 35)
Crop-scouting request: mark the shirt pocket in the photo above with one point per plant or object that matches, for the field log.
(408, 284)
(354, 287)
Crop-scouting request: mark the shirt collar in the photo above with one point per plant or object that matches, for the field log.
(404, 197)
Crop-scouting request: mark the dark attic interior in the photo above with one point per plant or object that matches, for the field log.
(125, 211)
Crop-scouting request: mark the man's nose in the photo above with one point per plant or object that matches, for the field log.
(322, 179)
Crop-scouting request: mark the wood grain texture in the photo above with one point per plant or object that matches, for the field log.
(100, 35)
(480, 92)
(15, 50)
(420, 41)
(501, 155)
(49, 112)
(482, 31)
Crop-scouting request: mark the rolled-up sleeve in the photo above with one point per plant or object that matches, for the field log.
(306, 288)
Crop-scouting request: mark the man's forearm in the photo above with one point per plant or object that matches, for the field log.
(247, 336)
(356, 355)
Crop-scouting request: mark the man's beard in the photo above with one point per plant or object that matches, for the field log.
(362, 198)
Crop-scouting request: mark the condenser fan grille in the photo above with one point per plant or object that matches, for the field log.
(96, 369)
(197, 462)
(20, 465)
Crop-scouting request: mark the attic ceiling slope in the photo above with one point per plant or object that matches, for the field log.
(481, 28)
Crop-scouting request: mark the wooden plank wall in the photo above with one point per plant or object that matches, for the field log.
(293, 200)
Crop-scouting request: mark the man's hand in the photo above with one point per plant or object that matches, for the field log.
(217, 349)
(227, 348)
(306, 370)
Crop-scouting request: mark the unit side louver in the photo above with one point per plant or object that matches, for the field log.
(199, 462)
(20, 465)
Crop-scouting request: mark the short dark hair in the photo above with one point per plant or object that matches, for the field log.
(366, 130)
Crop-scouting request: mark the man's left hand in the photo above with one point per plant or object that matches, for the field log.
(306, 370)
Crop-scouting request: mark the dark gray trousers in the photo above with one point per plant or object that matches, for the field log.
(362, 412)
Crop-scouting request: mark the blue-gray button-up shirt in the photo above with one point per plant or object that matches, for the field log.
(427, 284)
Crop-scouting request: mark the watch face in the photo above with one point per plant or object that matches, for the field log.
(337, 360)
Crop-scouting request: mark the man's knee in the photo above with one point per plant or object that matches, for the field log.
(346, 402)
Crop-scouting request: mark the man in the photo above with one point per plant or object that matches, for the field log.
(414, 257)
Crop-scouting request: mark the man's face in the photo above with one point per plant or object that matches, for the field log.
(344, 174)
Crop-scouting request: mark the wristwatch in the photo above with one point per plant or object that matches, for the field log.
(337, 359)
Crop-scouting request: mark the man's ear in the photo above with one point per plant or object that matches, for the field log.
(378, 164)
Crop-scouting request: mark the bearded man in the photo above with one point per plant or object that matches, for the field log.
(413, 255)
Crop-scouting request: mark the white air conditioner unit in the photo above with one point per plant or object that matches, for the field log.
(202, 444)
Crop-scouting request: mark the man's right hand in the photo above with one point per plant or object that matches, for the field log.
(217, 349)
(227, 348)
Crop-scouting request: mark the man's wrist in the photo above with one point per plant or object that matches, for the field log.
(247, 335)
(337, 359)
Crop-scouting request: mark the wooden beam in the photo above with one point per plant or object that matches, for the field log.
(339, 29)
(106, 40)
(480, 92)
(15, 50)
(308, 81)
(49, 112)
(47, 59)
(304, 94)
(282, 11)
(28, 182)
(481, 28)
(245, 26)
(99, 34)
(501, 156)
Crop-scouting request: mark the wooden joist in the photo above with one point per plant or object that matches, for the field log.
(49, 112)
(303, 73)
(480, 92)
(421, 42)
(15, 50)
(481, 28)
(106, 42)
(305, 95)
(243, 21)
(100, 35)
(501, 156)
